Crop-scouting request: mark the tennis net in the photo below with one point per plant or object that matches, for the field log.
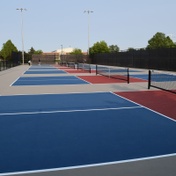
(113, 72)
(84, 66)
(162, 80)
(71, 64)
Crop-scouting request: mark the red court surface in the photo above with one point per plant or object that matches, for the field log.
(71, 70)
(161, 101)
(98, 79)
(133, 80)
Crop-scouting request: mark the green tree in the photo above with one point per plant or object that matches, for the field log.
(7, 50)
(76, 51)
(114, 48)
(160, 40)
(131, 49)
(28, 56)
(38, 52)
(31, 51)
(99, 47)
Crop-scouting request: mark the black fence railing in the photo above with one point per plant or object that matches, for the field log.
(44, 58)
(74, 58)
(4, 65)
(160, 59)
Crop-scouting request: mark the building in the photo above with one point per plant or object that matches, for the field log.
(64, 51)
(58, 56)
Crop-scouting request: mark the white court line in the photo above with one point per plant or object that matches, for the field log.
(66, 111)
(47, 80)
(99, 164)
(174, 120)
(67, 93)
(50, 85)
(14, 81)
(88, 165)
(83, 79)
(78, 77)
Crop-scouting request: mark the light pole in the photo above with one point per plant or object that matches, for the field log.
(22, 35)
(88, 12)
(61, 49)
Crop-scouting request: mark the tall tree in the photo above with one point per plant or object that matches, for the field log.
(160, 40)
(38, 52)
(76, 51)
(114, 48)
(31, 51)
(7, 50)
(99, 47)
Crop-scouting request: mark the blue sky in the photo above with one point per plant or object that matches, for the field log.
(48, 24)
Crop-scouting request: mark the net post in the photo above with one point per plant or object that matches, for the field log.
(89, 68)
(74, 65)
(128, 76)
(83, 66)
(149, 79)
(96, 70)
(109, 70)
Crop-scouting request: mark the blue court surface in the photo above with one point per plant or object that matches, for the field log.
(45, 71)
(157, 77)
(49, 131)
(38, 69)
(48, 80)
(142, 76)
(162, 77)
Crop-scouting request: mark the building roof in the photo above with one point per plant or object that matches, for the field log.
(64, 50)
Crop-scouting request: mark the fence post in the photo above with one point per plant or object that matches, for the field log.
(128, 76)
(149, 79)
